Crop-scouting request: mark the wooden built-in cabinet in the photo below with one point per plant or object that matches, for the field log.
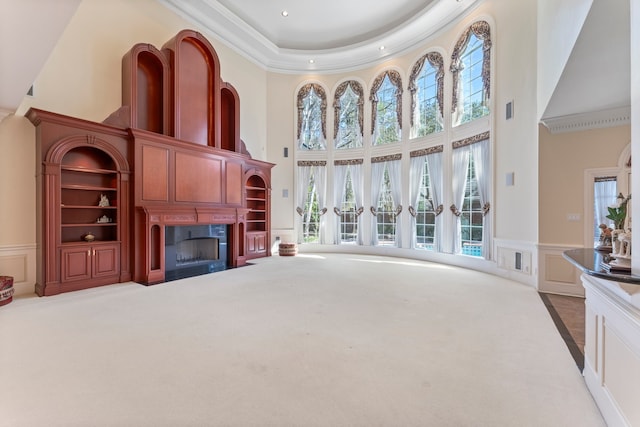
(82, 207)
(88, 262)
(257, 201)
(171, 155)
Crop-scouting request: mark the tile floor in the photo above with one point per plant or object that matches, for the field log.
(568, 315)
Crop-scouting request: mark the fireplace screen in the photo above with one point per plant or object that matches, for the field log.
(192, 250)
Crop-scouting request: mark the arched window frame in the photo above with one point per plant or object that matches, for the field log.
(357, 89)
(396, 81)
(436, 61)
(303, 93)
(482, 30)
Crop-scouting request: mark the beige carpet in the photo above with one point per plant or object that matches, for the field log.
(312, 340)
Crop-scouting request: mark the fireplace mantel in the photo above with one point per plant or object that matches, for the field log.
(171, 215)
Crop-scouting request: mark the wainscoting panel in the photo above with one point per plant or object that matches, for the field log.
(557, 275)
(19, 262)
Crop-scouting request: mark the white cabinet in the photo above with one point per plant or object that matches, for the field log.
(612, 349)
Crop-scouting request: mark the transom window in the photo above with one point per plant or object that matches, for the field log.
(471, 85)
(348, 120)
(385, 110)
(427, 112)
(311, 118)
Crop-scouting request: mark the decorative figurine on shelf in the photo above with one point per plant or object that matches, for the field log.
(622, 246)
(104, 219)
(104, 202)
(89, 237)
(605, 243)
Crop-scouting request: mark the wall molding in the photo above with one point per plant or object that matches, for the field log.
(19, 261)
(556, 274)
(586, 121)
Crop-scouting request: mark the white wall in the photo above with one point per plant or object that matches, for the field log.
(635, 126)
(559, 24)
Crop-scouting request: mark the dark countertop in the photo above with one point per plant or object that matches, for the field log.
(590, 262)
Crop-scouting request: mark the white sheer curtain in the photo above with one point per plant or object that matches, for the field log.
(358, 194)
(304, 175)
(604, 195)
(415, 173)
(320, 177)
(377, 174)
(434, 162)
(481, 158)
(395, 179)
(339, 178)
(460, 165)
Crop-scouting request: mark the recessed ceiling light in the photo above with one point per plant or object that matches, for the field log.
(381, 48)
(284, 13)
(311, 61)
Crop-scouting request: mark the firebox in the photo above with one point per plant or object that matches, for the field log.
(192, 250)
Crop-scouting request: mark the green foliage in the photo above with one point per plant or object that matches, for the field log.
(618, 213)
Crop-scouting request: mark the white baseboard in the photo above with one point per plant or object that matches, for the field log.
(472, 263)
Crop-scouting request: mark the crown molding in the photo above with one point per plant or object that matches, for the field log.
(225, 26)
(586, 121)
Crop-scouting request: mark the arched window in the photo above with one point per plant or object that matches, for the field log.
(312, 113)
(311, 183)
(311, 216)
(471, 195)
(386, 200)
(425, 196)
(471, 68)
(426, 87)
(386, 108)
(425, 213)
(385, 213)
(471, 213)
(349, 214)
(348, 108)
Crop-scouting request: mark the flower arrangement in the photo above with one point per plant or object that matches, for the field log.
(618, 212)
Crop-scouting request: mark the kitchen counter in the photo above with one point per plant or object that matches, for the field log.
(590, 262)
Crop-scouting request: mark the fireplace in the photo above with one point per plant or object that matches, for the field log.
(192, 250)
